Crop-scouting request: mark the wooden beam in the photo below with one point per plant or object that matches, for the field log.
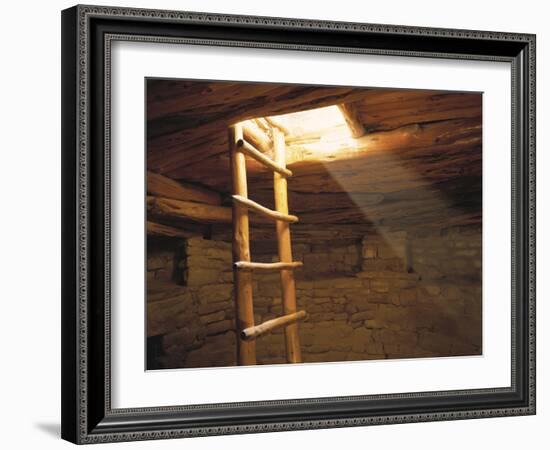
(413, 145)
(162, 186)
(158, 229)
(246, 350)
(173, 134)
(387, 109)
(266, 267)
(198, 212)
(351, 115)
(288, 285)
(257, 137)
(275, 215)
(261, 158)
(274, 123)
(262, 124)
(273, 324)
(242, 101)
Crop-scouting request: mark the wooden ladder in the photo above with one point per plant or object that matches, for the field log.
(247, 332)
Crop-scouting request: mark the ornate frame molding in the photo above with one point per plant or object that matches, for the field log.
(87, 422)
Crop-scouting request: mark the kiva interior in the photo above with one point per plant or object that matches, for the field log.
(363, 223)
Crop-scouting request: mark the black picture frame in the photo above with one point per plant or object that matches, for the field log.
(87, 416)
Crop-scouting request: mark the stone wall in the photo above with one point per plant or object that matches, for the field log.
(390, 295)
(190, 303)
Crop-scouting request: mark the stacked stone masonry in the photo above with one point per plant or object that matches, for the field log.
(390, 295)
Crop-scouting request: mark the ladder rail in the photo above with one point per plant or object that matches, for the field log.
(288, 285)
(243, 266)
(246, 350)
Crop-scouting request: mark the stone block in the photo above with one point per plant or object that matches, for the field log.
(200, 277)
(406, 338)
(320, 307)
(361, 337)
(361, 316)
(370, 251)
(224, 254)
(270, 289)
(374, 324)
(375, 348)
(393, 264)
(214, 317)
(404, 283)
(320, 300)
(335, 355)
(379, 285)
(432, 289)
(219, 327)
(337, 250)
(380, 298)
(214, 293)
(183, 337)
(158, 261)
(428, 271)
(324, 321)
(435, 343)
(226, 277)
(407, 296)
(317, 348)
(388, 274)
(394, 315)
(348, 283)
(394, 298)
(208, 308)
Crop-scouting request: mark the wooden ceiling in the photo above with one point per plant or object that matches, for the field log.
(418, 164)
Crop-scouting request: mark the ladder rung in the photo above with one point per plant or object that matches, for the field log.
(276, 215)
(258, 330)
(247, 265)
(245, 147)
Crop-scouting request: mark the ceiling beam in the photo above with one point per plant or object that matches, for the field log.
(351, 116)
(162, 186)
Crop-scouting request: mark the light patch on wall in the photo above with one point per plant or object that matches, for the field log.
(323, 136)
(313, 121)
(321, 132)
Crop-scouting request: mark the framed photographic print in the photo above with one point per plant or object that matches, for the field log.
(282, 224)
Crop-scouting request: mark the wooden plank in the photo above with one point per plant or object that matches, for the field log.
(198, 212)
(159, 229)
(246, 350)
(173, 130)
(292, 340)
(257, 137)
(351, 116)
(387, 109)
(261, 158)
(273, 324)
(246, 265)
(274, 123)
(275, 215)
(162, 186)
(262, 124)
